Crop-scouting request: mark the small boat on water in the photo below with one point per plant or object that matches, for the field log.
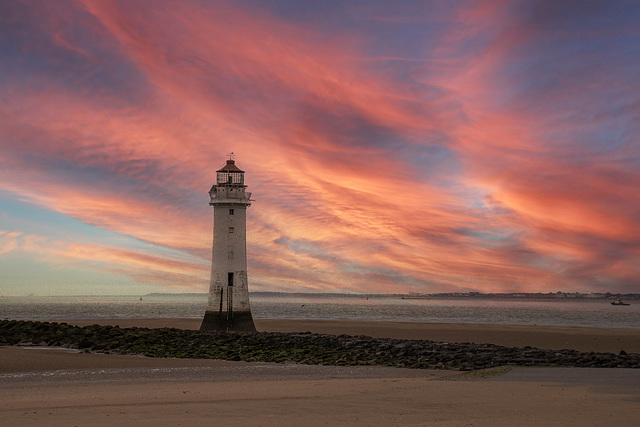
(619, 302)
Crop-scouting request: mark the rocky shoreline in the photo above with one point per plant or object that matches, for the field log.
(305, 348)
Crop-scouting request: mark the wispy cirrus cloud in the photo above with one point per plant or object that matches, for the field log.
(169, 269)
(477, 146)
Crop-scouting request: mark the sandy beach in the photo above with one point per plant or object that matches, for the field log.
(44, 386)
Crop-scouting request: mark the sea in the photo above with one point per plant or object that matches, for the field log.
(513, 311)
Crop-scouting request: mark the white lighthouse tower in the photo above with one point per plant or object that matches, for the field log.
(228, 308)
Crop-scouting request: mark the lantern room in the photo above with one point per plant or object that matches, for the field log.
(230, 174)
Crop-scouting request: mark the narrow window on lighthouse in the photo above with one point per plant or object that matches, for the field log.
(230, 279)
(230, 211)
(230, 229)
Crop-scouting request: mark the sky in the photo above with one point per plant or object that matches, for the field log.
(391, 147)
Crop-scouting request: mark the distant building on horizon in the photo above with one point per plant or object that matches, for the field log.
(228, 306)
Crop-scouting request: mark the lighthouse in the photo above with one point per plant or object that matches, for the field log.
(228, 306)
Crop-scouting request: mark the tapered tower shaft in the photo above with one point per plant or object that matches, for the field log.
(228, 305)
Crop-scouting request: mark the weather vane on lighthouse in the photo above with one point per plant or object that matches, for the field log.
(228, 306)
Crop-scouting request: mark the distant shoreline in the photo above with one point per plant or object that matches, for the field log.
(444, 295)
(528, 296)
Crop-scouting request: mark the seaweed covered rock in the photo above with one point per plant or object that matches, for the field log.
(304, 348)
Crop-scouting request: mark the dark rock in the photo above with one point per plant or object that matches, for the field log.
(302, 347)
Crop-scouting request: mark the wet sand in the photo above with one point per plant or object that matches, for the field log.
(63, 387)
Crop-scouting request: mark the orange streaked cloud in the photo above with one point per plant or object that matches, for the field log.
(175, 270)
(445, 147)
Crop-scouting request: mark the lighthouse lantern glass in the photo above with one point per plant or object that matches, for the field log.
(229, 177)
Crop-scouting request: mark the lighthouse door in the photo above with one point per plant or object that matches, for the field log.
(230, 299)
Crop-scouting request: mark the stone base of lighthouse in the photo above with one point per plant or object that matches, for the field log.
(240, 321)
(228, 306)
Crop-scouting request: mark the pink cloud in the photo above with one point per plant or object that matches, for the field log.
(327, 140)
(144, 267)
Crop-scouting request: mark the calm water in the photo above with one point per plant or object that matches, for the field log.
(596, 313)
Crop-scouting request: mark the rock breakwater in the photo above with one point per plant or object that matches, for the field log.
(305, 348)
